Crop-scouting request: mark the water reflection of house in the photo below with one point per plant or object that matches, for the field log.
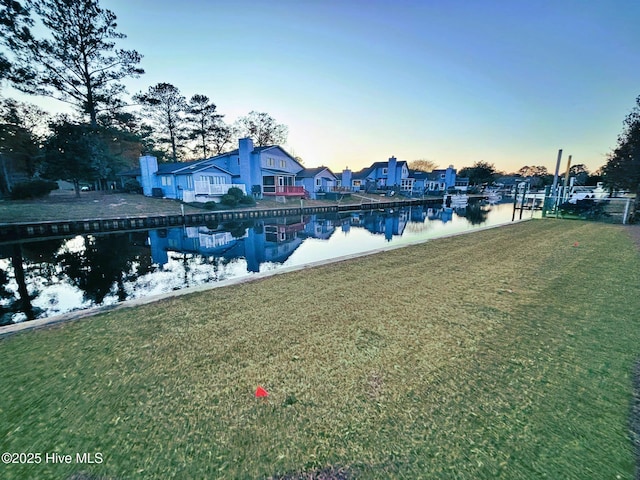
(321, 227)
(443, 214)
(281, 237)
(200, 240)
(269, 240)
(387, 223)
(418, 214)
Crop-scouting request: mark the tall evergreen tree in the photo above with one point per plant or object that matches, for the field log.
(166, 106)
(76, 62)
(479, 173)
(22, 127)
(622, 169)
(221, 137)
(203, 121)
(74, 152)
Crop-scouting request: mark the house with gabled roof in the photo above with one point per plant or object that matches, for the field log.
(316, 180)
(389, 175)
(396, 175)
(261, 171)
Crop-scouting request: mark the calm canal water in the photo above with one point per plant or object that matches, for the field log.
(53, 276)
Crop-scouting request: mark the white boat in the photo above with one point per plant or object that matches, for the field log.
(582, 193)
(456, 201)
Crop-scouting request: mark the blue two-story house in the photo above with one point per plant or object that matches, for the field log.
(261, 171)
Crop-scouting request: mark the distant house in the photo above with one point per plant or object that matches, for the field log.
(316, 180)
(396, 175)
(389, 175)
(442, 180)
(261, 171)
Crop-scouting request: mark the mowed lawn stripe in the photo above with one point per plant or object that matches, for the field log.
(505, 353)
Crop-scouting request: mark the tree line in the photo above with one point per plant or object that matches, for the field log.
(76, 61)
(620, 172)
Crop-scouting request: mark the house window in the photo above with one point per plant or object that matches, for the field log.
(189, 182)
(384, 171)
(214, 180)
(165, 180)
(442, 175)
(357, 183)
(270, 162)
(406, 184)
(283, 163)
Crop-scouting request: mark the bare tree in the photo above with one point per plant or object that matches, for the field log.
(262, 129)
(423, 165)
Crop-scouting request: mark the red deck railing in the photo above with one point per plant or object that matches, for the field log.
(283, 190)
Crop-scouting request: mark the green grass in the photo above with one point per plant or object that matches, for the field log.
(506, 353)
(64, 205)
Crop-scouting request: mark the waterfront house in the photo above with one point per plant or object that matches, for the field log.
(316, 181)
(260, 171)
(389, 175)
(396, 176)
(443, 180)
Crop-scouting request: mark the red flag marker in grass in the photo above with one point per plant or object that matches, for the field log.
(576, 244)
(261, 392)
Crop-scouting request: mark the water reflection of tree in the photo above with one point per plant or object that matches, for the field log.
(106, 262)
(237, 228)
(41, 258)
(474, 213)
(7, 300)
(22, 301)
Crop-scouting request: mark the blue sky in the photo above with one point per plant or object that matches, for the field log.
(508, 82)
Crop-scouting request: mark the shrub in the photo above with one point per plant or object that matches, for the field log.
(229, 200)
(236, 193)
(209, 205)
(32, 189)
(131, 185)
(247, 200)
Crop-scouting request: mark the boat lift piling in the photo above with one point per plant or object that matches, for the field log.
(525, 190)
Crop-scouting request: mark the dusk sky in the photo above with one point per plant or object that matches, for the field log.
(456, 81)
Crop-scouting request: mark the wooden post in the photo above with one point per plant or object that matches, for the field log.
(524, 194)
(515, 202)
(566, 180)
(554, 191)
(626, 212)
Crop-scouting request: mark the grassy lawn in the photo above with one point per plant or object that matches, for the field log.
(506, 353)
(64, 205)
